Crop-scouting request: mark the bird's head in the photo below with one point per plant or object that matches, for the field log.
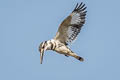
(42, 48)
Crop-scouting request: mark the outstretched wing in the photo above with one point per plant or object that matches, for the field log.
(71, 26)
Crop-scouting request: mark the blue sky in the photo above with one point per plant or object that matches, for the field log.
(24, 24)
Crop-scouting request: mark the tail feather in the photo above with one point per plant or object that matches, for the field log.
(80, 58)
(76, 56)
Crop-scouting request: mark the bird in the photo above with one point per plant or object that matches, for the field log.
(66, 34)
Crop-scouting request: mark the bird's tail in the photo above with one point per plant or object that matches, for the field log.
(76, 56)
(79, 58)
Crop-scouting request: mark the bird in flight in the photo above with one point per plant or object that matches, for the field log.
(67, 32)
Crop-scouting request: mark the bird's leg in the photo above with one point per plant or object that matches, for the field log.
(75, 56)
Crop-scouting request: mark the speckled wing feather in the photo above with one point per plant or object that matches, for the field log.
(71, 26)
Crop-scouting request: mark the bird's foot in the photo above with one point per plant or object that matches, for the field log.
(66, 55)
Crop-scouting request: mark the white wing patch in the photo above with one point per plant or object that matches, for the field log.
(75, 18)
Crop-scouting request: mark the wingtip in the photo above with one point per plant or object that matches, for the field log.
(80, 7)
(81, 3)
(76, 6)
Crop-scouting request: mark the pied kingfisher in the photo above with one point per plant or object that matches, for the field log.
(67, 32)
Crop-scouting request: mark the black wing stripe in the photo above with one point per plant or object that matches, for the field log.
(76, 6)
(80, 5)
(83, 9)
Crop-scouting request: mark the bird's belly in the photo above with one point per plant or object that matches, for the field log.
(62, 50)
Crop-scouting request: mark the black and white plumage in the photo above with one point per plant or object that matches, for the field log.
(67, 32)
